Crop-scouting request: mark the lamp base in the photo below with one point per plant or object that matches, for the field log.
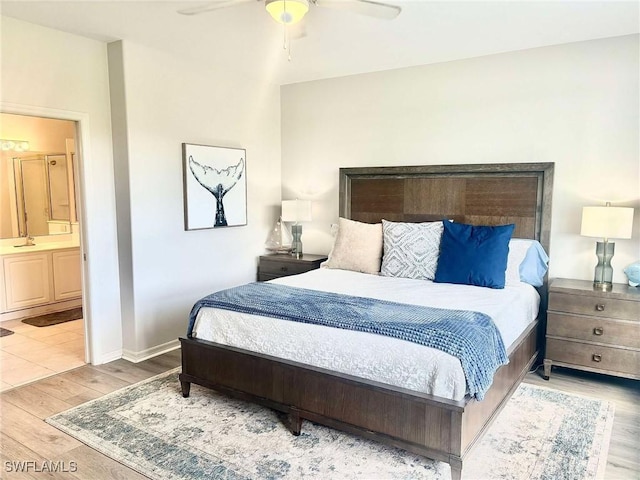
(296, 244)
(602, 287)
(603, 276)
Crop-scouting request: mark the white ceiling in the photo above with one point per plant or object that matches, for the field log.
(337, 43)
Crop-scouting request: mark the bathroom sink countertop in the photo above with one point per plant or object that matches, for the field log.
(38, 247)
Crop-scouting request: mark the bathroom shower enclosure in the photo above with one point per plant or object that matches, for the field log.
(41, 195)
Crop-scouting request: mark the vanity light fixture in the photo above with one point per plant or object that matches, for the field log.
(7, 145)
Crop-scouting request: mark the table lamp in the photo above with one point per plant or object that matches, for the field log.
(606, 222)
(296, 211)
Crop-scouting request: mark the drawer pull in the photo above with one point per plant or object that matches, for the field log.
(600, 307)
(598, 331)
(283, 269)
(596, 357)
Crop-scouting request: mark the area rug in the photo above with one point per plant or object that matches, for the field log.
(5, 332)
(540, 434)
(54, 318)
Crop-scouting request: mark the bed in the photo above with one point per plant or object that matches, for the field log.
(440, 427)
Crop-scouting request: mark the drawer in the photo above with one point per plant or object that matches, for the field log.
(594, 305)
(263, 277)
(592, 356)
(283, 268)
(593, 329)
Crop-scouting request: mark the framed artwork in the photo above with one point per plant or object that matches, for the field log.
(215, 186)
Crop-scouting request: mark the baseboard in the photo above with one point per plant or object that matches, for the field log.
(40, 310)
(107, 357)
(136, 357)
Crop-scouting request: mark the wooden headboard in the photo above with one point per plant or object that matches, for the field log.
(483, 194)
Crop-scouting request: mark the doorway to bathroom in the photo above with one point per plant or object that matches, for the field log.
(42, 329)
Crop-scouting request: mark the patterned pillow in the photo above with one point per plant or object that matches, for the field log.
(411, 249)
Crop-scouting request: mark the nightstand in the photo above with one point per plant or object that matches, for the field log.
(282, 265)
(592, 330)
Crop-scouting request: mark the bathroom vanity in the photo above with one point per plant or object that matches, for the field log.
(39, 278)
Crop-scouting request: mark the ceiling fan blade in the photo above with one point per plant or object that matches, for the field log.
(214, 5)
(370, 8)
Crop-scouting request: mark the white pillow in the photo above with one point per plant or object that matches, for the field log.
(518, 248)
(411, 250)
(358, 247)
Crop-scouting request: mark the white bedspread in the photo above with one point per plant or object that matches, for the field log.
(375, 357)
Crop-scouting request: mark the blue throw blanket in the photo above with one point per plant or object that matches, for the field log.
(472, 337)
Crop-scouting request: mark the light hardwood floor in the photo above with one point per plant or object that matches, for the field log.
(25, 436)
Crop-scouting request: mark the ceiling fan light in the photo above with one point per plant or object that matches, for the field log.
(287, 11)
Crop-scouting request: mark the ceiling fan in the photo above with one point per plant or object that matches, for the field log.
(289, 12)
(292, 11)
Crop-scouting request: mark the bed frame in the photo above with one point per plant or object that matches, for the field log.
(438, 428)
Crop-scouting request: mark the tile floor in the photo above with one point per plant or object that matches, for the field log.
(32, 353)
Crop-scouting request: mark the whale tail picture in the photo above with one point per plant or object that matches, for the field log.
(218, 183)
(210, 174)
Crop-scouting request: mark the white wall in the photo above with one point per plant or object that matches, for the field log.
(123, 198)
(170, 101)
(576, 105)
(50, 73)
(45, 135)
(160, 102)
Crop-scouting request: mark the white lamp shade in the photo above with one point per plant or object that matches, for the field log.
(296, 210)
(607, 222)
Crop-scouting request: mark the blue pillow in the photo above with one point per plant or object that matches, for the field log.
(534, 266)
(474, 255)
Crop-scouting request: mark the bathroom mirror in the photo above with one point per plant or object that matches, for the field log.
(41, 191)
(37, 195)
